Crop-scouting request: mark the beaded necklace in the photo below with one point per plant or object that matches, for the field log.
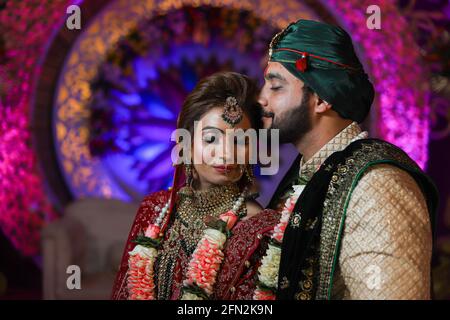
(202, 240)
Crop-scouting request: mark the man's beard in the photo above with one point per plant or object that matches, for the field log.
(294, 123)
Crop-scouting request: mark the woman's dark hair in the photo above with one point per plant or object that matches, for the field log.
(212, 92)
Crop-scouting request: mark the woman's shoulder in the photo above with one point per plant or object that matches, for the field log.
(155, 199)
(146, 214)
(151, 206)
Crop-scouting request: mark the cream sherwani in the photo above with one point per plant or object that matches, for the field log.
(386, 243)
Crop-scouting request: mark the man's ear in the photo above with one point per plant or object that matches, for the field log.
(320, 105)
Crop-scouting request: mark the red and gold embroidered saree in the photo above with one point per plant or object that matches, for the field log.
(243, 252)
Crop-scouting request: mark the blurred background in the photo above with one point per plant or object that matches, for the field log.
(86, 115)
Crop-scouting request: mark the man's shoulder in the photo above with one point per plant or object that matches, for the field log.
(377, 158)
(384, 176)
(373, 149)
(389, 190)
(372, 172)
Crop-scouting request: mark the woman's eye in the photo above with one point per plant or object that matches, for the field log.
(275, 88)
(209, 139)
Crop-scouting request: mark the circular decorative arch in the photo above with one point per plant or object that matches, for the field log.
(402, 115)
(392, 57)
(396, 67)
(85, 174)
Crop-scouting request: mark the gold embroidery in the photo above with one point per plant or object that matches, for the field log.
(188, 227)
(306, 285)
(311, 223)
(284, 283)
(303, 296)
(295, 220)
(338, 194)
(338, 143)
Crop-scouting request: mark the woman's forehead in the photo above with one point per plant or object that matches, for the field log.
(213, 118)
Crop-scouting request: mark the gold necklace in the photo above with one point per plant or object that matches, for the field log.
(188, 226)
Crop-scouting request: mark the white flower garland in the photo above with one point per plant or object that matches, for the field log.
(268, 271)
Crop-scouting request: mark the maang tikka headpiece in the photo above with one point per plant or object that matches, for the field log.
(232, 113)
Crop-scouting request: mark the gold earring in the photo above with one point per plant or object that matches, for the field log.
(189, 174)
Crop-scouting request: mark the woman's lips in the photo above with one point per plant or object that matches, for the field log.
(224, 169)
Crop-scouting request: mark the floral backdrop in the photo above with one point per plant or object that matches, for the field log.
(408, 60)
(139, 89)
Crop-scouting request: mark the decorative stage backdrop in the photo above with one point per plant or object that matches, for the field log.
(89, 113)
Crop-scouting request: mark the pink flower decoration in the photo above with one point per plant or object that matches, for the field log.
(140, 278)
(153, 231)
(230, 218)
(291, 206)
(278, 236)
(263, 295)
(204, 266)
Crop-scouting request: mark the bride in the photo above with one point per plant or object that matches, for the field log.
(203, 238)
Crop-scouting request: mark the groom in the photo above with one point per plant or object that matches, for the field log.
(362, 226)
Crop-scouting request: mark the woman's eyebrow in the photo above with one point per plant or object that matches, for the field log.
(214, 128)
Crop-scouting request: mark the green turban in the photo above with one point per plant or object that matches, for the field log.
(322, 56)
